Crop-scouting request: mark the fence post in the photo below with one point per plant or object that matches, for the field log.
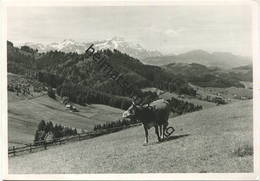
(14, 150)
(30, 147)
(79, 137)
(45, 145)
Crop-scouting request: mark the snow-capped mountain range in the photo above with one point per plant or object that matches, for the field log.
(68, 45)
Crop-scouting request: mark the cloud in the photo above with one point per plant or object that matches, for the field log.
(166, 32)
(173, 33)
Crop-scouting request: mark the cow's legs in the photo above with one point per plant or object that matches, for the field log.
(146, 135)
(157, 132)
(164, 129)
(160, 131)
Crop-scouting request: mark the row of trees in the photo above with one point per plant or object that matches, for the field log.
(215, 99)
(47, 129)
(115, 124)
(181, 107)
(82, 95)
(24, 90)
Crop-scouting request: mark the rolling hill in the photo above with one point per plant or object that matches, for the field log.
(218, 139)
(85, 72)
(24, 116)
(204, 76)
(216, 59)
(168, 96)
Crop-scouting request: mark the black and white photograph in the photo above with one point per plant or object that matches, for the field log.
(130, 88)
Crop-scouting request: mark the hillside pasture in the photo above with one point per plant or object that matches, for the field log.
(232, 93)
(168, 95)
(214, 140)
(25, 114)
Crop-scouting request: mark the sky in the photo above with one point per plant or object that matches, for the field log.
(169, 29)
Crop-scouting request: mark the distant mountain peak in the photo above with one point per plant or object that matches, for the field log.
(118, 38)
(197, 52)
(68, 45)
(68, 41)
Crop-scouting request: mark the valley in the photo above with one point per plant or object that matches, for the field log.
(71, 92)
(31, 104)
(134, 90)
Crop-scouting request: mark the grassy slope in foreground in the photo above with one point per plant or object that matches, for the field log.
(24, 116)
(204, 141)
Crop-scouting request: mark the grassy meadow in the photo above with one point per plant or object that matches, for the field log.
(217, 139)
(25, 114)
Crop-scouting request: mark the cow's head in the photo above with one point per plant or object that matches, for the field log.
(131, 111)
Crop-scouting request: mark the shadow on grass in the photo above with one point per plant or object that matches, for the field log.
(174, 137)
(170, 138)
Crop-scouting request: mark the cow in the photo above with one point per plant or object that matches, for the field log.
(155, 114)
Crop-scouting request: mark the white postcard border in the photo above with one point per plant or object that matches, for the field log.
(157, 176)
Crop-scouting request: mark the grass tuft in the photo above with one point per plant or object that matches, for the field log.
(245, 150)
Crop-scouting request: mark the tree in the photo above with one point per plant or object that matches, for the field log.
(27, 49)
(36, 136)
(51, 93)
(49, 127)
(41, 125)
(75, 131)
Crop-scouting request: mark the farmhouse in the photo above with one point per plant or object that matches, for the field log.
(68, 106)
(71, 107)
